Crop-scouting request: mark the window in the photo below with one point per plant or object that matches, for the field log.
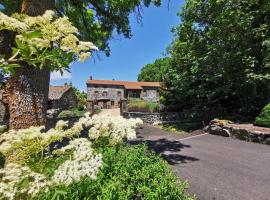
(96, 94)
(104, 94)
(144, 93)
(134, 94)
(119, 94)
(112, 103)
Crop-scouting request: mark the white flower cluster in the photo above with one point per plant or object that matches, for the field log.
(116, 128)
(48, 31)
(12, 24)
(83, 164)
(13, 174)
(17, 137)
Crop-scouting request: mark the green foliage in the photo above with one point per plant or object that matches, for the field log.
(95, 20)
(181, 127)
(142, 106)
(76, 112)
(42, 41)
(27, 148)
(155, 72)
(174, 128)
(264, 118)
(98, 110)
(128, 173)
(220, 56)
(80, 95)
(48, 165)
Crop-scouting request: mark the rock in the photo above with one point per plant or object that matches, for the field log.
(217, 130)
(52, 113)
(220, 122)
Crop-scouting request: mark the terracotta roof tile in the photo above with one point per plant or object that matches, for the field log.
(126, 84)
(56, 92)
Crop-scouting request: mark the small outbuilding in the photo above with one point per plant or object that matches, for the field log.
(62, 98)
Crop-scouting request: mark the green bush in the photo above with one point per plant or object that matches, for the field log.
(264, 118)
(142, 106)
(76, 112)
(127, 173)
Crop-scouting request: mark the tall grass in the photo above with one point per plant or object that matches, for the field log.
(142, 106)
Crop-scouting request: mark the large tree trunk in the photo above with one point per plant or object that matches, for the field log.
(26, 93)
(26, 96)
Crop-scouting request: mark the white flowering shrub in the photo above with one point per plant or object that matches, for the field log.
(116, 128)
(83, 164)
(14, 175)
(43, 40)
(20, 146)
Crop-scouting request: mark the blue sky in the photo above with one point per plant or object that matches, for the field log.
(149, 42)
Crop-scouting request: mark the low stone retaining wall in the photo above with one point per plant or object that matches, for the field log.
(247, 132)
(164, 117)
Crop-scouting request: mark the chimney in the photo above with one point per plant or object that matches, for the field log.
(91, 78)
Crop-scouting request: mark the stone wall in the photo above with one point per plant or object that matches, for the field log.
(117, 92)
(246, 132)
(67, 101)
(113, 92)
(163, 117)
(150, 94)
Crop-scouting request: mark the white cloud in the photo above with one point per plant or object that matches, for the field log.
(55, 76)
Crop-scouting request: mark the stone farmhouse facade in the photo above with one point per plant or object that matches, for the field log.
(62, 98)
(109, 93)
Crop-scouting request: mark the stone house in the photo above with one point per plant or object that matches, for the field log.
(62, 98)
(109, 93)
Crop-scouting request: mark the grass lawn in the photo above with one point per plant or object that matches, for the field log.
(71, 113)
(180, 128)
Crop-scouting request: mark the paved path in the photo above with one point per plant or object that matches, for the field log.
(217, 168)
(112, 112)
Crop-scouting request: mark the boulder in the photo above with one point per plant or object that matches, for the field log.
(217, 130)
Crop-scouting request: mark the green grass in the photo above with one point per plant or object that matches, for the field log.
(72, 113)
(142, 106)
(181, 128)
(173, 128)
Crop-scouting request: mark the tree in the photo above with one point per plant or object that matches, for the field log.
(220, 56)
(96, 20)
(156, 71)
(80, 95)
(26, 92)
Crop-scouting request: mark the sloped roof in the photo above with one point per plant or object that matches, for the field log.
(56, 92)
(126, 84)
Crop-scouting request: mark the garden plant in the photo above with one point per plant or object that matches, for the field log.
(89, 160)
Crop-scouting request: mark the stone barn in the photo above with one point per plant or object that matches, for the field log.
(62, 98)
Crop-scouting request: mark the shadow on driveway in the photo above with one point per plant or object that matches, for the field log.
(169, 150)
